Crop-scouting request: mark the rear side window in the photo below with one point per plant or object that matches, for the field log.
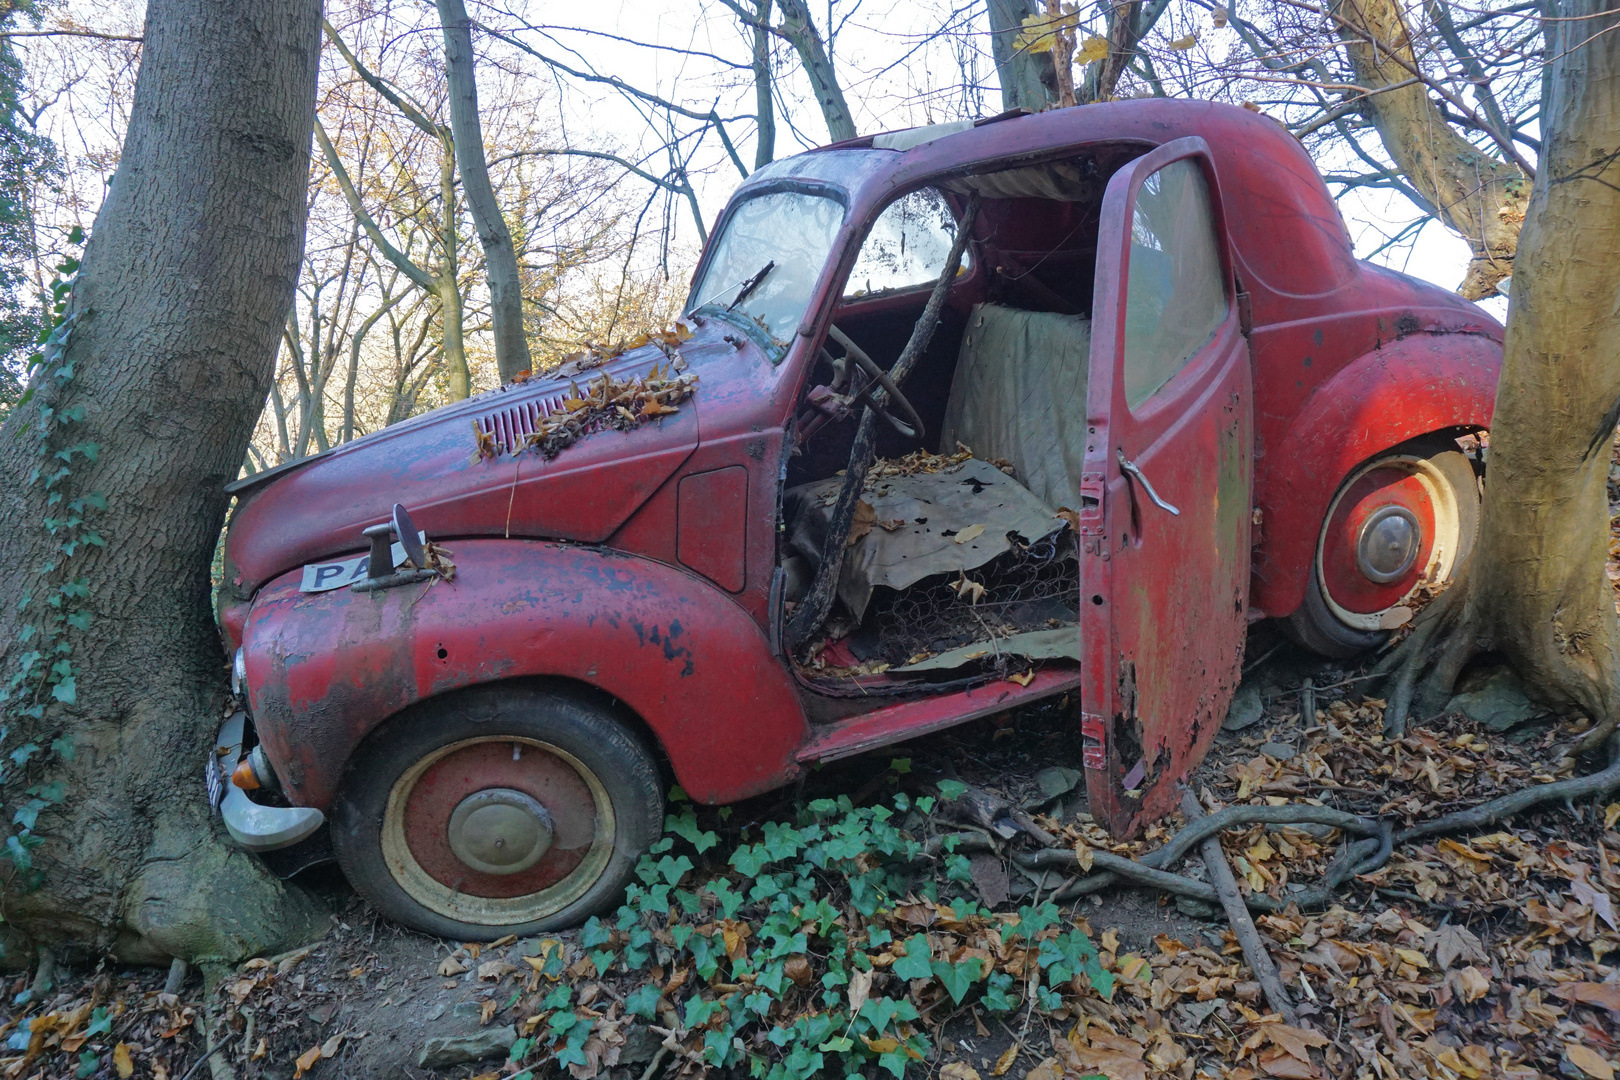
(1176, 296)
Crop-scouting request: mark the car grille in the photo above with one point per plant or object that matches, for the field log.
(511, 425)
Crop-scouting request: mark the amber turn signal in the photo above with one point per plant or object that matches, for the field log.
(243, 777)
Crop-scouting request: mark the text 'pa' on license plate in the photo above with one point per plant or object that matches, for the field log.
(326, 576)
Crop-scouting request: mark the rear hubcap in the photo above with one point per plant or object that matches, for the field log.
(1389, 543)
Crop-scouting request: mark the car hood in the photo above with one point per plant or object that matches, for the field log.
(431, 464)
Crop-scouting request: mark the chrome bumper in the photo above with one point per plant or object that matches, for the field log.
(254, 827)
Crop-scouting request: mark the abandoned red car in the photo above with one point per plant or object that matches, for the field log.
(959, 418)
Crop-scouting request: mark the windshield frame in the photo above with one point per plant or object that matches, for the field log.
(837, 193)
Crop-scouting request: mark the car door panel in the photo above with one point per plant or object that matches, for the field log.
(1166, 527)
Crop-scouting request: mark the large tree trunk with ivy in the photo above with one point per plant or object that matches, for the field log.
(1479, 195)
(1537, 590)
(111, 486)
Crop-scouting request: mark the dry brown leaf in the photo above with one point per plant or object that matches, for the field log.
(1471, 983)
(1046, 1070)
(861, 524)
(1183, 43)
(306, 1061)
(958, 1070)
(1005, 1061)
(330, 1047)
(969, 534)
(1603, 995)
(860, 988)
(451, 966)
(798, 969)
(487, 1012)
(122, 1061)
(1586, 1059)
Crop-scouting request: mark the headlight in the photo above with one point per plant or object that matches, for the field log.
(238, 672)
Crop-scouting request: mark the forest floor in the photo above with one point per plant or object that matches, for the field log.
(1475, 955)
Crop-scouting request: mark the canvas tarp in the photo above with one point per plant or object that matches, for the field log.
(918, 525)
(1020, 394)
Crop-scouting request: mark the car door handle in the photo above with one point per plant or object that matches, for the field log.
(1130, 469)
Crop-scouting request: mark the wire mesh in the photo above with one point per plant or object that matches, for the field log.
(1033, 588)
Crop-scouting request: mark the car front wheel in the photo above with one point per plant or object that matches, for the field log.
(499, 810)
(1406, 517)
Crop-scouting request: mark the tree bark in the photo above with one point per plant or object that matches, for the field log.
(1536, 589)
(1480, 197)
(764, 99)
(500, 259)
(1028, 79)
(800, 30)
(178, 310)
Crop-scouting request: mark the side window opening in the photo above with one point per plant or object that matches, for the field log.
(906, 248)
(1176, 296)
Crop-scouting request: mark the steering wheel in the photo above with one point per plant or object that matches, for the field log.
(879, 379)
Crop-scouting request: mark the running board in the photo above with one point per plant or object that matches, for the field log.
(907, 720)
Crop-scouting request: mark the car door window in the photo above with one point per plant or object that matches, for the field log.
(1175, 293)
(907, 247)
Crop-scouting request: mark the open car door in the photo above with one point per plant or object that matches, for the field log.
(1166, 490)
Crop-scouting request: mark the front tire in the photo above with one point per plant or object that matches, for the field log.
(1408, 516)
(498, 810)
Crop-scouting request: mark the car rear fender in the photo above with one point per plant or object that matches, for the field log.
(325, 669)
(1416, 385)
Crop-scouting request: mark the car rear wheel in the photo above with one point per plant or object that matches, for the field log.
(1404, 518)
(505, 810)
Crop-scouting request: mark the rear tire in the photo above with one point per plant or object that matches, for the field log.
(1446, 512)
(498, 810)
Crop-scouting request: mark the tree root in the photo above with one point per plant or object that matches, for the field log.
(1506, 806)
(1441, 642)
(1239, 919)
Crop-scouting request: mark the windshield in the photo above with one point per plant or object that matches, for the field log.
(784, 236)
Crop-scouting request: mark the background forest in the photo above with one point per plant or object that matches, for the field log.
(613, 136)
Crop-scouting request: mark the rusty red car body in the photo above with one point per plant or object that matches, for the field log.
(640, 564)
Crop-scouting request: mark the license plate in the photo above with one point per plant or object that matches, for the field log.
(326, 576)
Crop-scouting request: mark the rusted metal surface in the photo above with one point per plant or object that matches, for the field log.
(324, 669)
(1163, 620)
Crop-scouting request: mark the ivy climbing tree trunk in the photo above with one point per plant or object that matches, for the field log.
(1536, 590)
(1480, 196)
(176, 316)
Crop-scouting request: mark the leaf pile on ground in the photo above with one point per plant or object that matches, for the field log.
(104, 1026)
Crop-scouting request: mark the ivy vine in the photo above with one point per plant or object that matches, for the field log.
(44, 678)
(785, 944)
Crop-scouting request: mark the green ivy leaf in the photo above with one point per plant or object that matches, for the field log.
(593, 933)
(951, 790)
(918, 961)
(674, 869)
(62, 747)
(66, 691)
(643, 1002)
(957, 979)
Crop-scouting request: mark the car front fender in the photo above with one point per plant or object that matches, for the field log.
(325, 669)
(1410, 387)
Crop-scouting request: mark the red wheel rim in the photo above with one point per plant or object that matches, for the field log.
(1400, 501)
(426, 842)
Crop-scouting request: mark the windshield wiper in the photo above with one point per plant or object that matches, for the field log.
(751, 284)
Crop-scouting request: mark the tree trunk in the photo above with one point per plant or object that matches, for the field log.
(178, 310)
(458, 375)
(500, 260)
(1478, 196)
(800, 30)
(764, 100)
(1536, 590)
(1028, 79)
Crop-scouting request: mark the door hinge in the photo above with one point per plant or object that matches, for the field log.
(1093, 741)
